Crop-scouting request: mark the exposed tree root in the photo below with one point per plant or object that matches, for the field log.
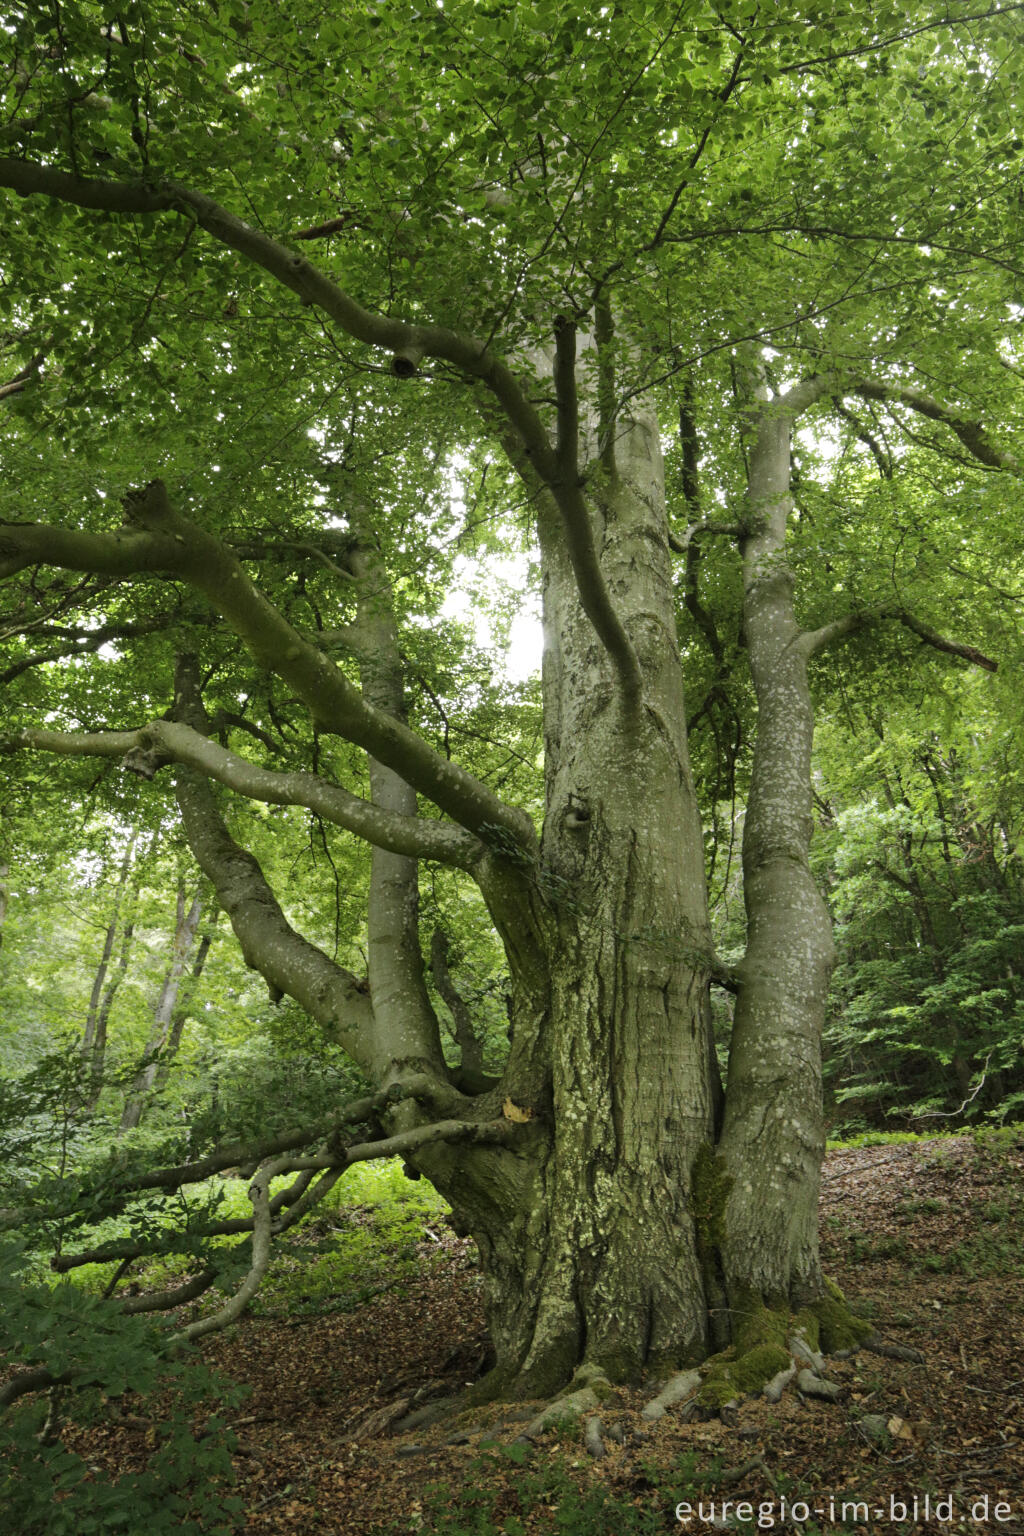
(681, 1386)
(879, 1346)
(583, 1394)
(592, 1438)
(771, 1350)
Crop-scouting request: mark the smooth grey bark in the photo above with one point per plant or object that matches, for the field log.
(186, 998)
(772, 1141)
(187, 917)
(109, 939)
(98, 1051)
(407, 1036)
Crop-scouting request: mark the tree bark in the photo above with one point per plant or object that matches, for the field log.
(773, 1141)
(93, 1043)
(98, 1052)
(586, 1234)
(183, 1009)
(186, 923)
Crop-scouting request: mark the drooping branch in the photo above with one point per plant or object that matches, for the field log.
(286, 1207)
(175, 1296)
(80, 642)
(160, 540)
(812, 641)
(293, 271)
(972, 434)
(329, 993)
(291, 1204)
(259, 1198)
(408, 344)
(37, 1379)
(23, 377)
(165, 741)
(241, 1153)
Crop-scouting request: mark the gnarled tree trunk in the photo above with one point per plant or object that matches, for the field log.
(586, 1232)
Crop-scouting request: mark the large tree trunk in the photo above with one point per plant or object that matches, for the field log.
(586, 1235)
(773, 1142)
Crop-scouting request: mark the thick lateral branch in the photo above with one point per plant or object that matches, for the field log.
(817, 639)
(298, 274)
(291, 1204)
(971, 433)
(79, 642)
(329, 993)
(243, 1153)
(576, 520)
(172, 741)
(161, 540)
(402, 340)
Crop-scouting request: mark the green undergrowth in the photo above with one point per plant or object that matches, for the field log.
(364, 1238)
(503, 1495)
(982, 1135)
(367, 1238)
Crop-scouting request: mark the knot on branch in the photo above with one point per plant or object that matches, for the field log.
(577, 814)
(147, 507)
(405, 364)
(146, 762)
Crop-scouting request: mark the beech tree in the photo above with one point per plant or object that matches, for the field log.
(274, 281)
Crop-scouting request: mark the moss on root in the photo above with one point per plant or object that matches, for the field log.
(761, 1332)
(758, 1354)
(754, 1322)
(742, 1375)
(839, 1327)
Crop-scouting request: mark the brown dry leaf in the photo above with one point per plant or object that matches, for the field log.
(515, 1114)
(899, 1428)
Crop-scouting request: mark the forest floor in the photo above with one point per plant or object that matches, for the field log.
(925, 1238)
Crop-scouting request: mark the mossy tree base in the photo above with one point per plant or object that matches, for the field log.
(763, 1336)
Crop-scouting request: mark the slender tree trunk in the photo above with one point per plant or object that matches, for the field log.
(109, 939)
(406, 1033)
(187, 921)
(97, 1055)
(183, 1010)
